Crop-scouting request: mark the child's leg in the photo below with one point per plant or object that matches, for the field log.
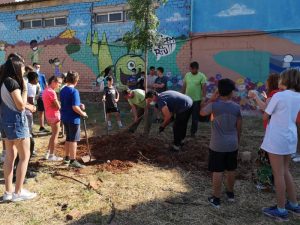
(118, 117)
(73, 150)
(54, 137)
(230, 180)
(217, 184)
(8, 167)
(277, 163)
(289, 181)
(67, 149)
(108, 115)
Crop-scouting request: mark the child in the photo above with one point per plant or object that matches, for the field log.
(111, 97)
(280, 142)
(225, 138)
(52, 107)
(264, 170)
(161, 82)
(71, 110)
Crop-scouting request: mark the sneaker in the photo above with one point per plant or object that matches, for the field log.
(2, 159)
(230, 196)
(47, 155)
(120, 126)
(215, 202)
(23, 196)
(76, 164)
(109, 128)
(7, 196)
(30, 174)
(43, 130)
(34, 153)
(274, 213)
(55, 158)
(67, 160)
(175, 148)
(296, 159)
(294, 210)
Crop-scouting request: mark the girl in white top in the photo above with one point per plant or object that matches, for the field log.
(280, 142)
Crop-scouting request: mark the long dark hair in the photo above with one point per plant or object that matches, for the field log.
(12, 68)
(272, 81)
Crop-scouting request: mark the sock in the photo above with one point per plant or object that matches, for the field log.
(51, 155)
(120, 123)
(109, 123)
(281, 210)
(294, 205)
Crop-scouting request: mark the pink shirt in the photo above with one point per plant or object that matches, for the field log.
(49, 96)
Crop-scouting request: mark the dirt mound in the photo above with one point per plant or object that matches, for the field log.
(119, 152)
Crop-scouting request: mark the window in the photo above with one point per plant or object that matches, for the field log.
(61, 21)
(44, 23)
(110, 17)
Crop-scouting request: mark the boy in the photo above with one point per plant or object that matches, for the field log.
(71, 110)
(161, 82)
(111, 97)
(225, 138)
(151, 77)
(194, 86)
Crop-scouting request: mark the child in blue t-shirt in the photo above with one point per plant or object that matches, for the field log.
(71, 110)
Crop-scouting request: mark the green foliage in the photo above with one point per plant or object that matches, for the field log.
(72, 48)
(89, 39)
(95, 44)
(144, 33)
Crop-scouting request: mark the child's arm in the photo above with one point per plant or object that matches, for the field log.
(56, 104)
(204, 109)
(117, 96)
(134, 112)
(239, 128)
(78, 110)
(203, 88)
(262, 105)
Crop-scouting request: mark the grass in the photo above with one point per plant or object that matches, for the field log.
(146, 194)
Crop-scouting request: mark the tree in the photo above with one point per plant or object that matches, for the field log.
(95, 44)
(89, 39)
(144, 33)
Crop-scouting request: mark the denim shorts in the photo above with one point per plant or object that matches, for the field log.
(72, 132)
(17, 130)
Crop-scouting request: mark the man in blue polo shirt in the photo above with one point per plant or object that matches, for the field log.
(173, 105)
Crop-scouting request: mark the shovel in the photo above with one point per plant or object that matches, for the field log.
(87, 158)
(105, 116)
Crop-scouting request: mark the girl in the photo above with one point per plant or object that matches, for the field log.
(71, 110)
(52, 107)
(264, 170)
(15, 127)
(280, 142)
(111, 97)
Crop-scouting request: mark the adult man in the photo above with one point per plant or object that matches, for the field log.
(136, 99)
(40, 104)
(173, 105)
(194, 86)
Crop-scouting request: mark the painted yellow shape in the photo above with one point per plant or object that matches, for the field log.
(68, 34)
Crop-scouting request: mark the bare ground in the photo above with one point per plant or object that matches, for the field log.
(136, 181)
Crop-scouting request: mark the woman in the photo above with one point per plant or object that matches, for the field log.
(15, 127)
(264, 170)
(52, 107)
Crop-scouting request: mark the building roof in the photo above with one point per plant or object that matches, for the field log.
(12, 2)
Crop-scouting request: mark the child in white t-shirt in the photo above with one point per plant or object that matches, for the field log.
(280, 142)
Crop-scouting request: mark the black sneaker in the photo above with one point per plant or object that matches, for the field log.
(230, 196)
(215, 202)
(43, 129)
(175, 148)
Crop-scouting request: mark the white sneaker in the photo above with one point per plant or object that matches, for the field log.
(47, 155)
(3, 156)
(54, 158)
(296, 159)
(23, 196)
(7, 196)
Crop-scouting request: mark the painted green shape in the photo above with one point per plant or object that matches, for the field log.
(89, 39)
(126, 63)
(169, 63)
(104, 56)
(72, 48)
(250, 64)
(86, 57)
(95, 44)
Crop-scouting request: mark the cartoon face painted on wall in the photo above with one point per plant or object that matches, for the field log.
(34, 55)
(126, 64)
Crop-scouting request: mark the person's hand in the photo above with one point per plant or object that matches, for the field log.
(84, 115)
(82, 106)
(161, 129)
(33, 110)
(116, 100)
(252, 94)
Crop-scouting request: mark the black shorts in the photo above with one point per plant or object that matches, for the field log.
(72, 132)
(112, 110)
(40, 105)
(221, 161)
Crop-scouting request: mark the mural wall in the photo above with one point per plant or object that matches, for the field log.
(244, 40)
(89, 48)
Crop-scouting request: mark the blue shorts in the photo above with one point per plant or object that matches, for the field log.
(72, 132)
(17, 130)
